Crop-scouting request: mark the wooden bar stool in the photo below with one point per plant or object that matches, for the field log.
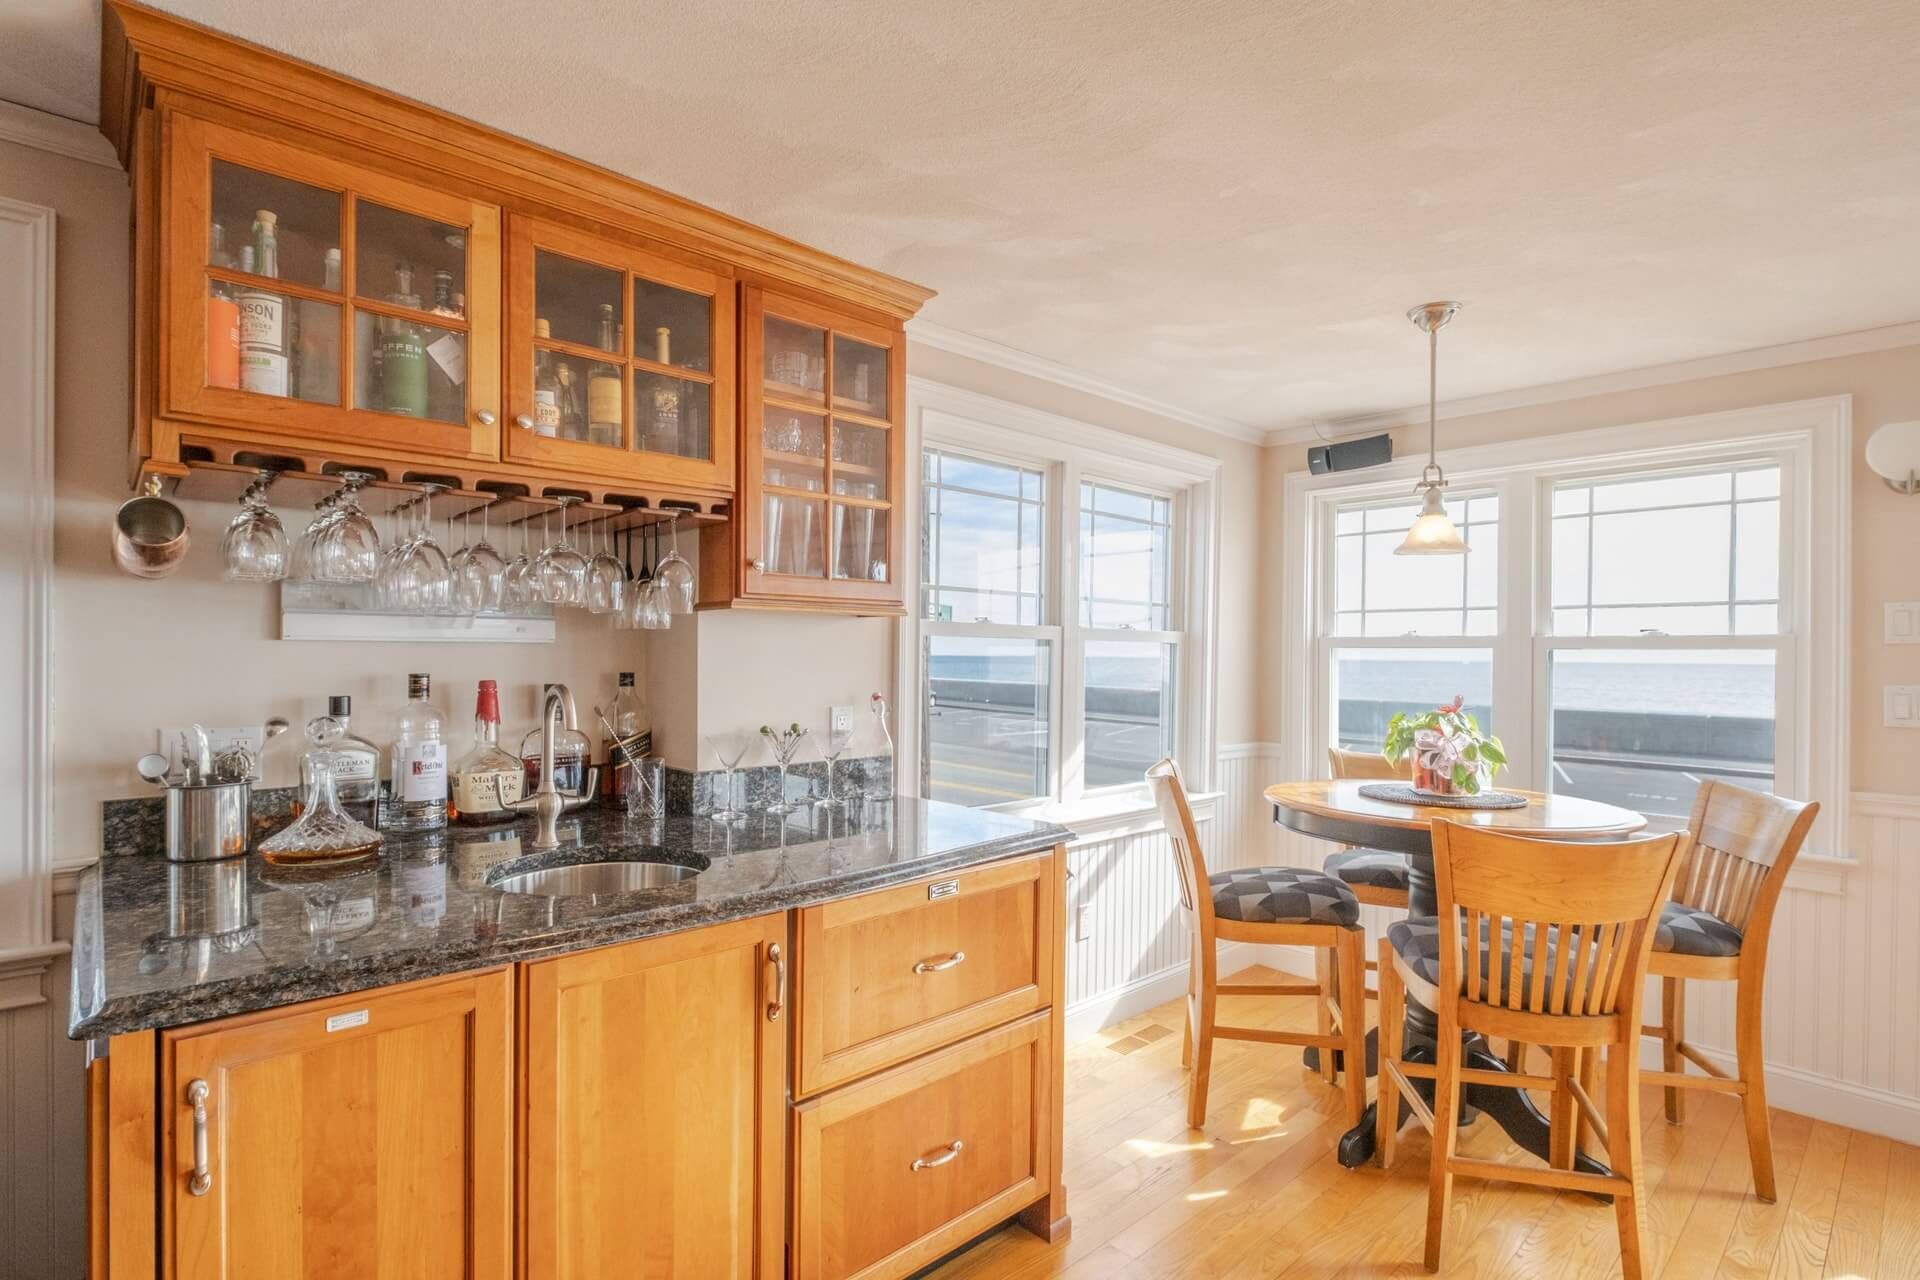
(1378, 877)
(1546, 943)
(1716, 927)
(1291, 906)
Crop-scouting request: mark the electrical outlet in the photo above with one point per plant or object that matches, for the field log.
(841, 719)
(218, 739)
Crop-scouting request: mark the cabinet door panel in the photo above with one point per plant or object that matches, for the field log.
(367, 1135)
(655, 1088)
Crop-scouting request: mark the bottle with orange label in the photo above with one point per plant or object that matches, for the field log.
(223, 319)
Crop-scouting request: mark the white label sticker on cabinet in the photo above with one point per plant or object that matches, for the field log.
(346, 1021)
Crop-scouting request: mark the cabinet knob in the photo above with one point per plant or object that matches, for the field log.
(524, 422)
(486, 417)
(759, 566)
(202, 1180)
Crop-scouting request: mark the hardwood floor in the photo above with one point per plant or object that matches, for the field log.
(1258, 1193)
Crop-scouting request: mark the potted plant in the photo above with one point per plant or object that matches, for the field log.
(1451, 756)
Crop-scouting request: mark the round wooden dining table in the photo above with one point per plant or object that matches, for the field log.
(1336, 811)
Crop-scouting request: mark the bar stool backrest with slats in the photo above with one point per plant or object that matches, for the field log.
(1369, 766)
(1744, 845)
(1196, 897)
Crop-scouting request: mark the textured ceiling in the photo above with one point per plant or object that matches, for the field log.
(1225, 204)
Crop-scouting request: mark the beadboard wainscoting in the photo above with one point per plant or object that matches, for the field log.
(43, 1200)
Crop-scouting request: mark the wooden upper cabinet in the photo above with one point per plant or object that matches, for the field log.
(316, 302)
(369, 1135)
(620, 361)
(822, 435)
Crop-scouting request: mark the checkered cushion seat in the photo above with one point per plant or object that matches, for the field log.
(1689, 931)
(1371, 868)
(1416, 940)
(1282, 895)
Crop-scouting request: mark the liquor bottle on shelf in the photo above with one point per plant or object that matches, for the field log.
(572, 752)
(263, 315)
(356, 767)
(603, 388)
(316, 369)
(487, 779)
(419, 796)
(223, 318)
(573, 418)
(630, 743)
(403, 357)
(443, 304)
(546, 386)
(663, 425)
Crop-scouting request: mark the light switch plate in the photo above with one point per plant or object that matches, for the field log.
(1903, 622)
(1902, 706)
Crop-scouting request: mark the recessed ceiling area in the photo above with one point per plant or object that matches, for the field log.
(1226, 205)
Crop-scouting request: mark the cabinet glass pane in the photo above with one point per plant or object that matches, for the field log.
(305, 225)
(860, 543)
(859, 461)
(795, 450)
(576, 299)
(409, 260)
(672, 326)
(796, 536)
(560, 397)
(859, 376)
(796, 360)
(409, 368)
(671, 416)
(271, 344)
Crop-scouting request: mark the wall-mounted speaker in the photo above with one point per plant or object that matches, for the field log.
(1350, 455)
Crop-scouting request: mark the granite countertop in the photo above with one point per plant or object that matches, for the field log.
(160, 944)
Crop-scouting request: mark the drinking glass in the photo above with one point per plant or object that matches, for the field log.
(561, 570)
(421, 580)
(519, 590)
(653, 614)
(606, 580)
(255, 547)
(479, 572)
(728, 751)
(347, 548)
(677, 576)
(784, 746)
(832, 747)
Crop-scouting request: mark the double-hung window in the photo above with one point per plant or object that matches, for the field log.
(1057, 651)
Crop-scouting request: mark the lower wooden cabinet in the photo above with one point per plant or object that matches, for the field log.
(654, 1077)
(894, 1171)
(369, 1135)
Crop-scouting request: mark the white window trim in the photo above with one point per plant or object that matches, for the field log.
(946, 417)
(1813, 438)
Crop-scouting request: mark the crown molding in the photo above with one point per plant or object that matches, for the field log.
(45, 131)
(987, 351)
(1859, 342)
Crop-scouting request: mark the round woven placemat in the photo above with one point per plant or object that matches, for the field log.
(1401, 793)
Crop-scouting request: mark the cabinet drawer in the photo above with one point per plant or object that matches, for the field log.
(887, 976)
(894, 1171)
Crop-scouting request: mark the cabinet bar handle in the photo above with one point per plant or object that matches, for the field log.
(939, 966)
(202, 1180)
(779, 1001)
(948, 1156)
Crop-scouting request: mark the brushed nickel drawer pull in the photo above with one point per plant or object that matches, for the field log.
(948, 1156)
(940, 966)
(779, 1001)
(202, 1180)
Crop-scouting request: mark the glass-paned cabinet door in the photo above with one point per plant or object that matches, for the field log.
(621, 361)
(314, 299)
(823, 429)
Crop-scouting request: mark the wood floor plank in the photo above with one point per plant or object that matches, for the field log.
(1853, 1248)
(1704, 1237)
(1900, 1245)
(1800, 1252)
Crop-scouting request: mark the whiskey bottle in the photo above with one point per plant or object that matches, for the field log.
(316, 370)
(403, 356)
(632, 741)
(546, 386)
(663, 428)
(263, 316)
(603, 389)
(487, 779)
(223, 318)
(419, 776)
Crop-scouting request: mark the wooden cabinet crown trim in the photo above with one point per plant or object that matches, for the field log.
(144, 50)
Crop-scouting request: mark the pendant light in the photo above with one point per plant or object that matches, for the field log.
(1432, 533)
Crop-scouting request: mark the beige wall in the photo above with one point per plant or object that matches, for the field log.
(1885, 387)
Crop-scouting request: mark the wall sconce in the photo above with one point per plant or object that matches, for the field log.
(1893, 452)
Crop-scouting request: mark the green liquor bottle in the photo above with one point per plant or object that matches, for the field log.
(403, 357)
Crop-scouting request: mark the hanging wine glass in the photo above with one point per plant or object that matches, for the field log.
(562, 569)
(348, 549)
(478, 570)
(677, 575)
(519, 590)
(605, 579)
(255, 546)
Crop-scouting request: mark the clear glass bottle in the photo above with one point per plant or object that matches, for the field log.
(546, 386)
(663, 427)
(572, 752)
(573, 418)
(419, 797)
(403, 355)
(263, 315)
(324, 832)
(627, 719)
(316, 354)
(603, 388)
(356, 766)
(488, 778)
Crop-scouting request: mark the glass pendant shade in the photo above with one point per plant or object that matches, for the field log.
(1432, 533)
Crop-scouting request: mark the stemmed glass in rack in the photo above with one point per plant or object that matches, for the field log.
(342, 543)
(653, 614)
(479, 572)
(728, 751)
(519, 588)
(606, 580)
(417, 577)
(255, 545)
(561, 570)
(675, 575)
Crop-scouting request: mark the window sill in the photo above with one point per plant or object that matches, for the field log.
(1113, 817)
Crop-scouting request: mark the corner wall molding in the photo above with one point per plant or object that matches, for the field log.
(1886, 804)
(998, 354)
(45, 131)
(23, 974)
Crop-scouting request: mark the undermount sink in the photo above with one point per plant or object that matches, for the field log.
(595, 879)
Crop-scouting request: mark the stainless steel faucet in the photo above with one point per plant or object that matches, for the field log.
(549, 802)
